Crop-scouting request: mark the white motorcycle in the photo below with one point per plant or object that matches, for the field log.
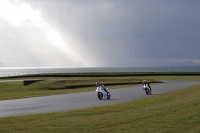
(147, 89)
(102, 94)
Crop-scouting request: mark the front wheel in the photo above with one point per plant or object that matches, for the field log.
(146, 91)
(100, 96)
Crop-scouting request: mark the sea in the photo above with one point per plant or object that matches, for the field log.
(15, 71)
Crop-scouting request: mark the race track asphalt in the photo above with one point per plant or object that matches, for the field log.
(65, 102)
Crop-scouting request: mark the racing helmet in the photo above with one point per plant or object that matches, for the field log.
(98, 84)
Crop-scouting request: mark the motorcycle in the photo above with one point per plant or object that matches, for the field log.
(102, 94)
(147, 89)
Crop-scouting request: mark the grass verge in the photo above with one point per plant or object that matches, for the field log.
(172, 112)
(82, 83)
(15, 90)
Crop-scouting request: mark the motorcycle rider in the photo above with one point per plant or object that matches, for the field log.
(101, 86)
(146, 84)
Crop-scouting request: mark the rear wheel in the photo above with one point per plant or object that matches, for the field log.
(108, 95)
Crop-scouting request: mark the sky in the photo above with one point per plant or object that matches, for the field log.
(99, 33)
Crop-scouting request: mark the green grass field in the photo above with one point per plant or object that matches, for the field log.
(51, 86)
(172, 112)
(16, 90)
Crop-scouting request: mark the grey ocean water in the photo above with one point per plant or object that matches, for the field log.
(13, 71)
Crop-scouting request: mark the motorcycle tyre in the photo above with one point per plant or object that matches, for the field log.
(108, 96)
(146, 91)
(100, 96)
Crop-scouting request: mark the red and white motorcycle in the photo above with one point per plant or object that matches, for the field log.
(147, 89)
(102, 94)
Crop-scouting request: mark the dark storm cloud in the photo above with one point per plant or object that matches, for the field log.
(127, 32)
(174, 31)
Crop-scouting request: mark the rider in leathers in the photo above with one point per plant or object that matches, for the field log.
(146, 84)
(102, 87)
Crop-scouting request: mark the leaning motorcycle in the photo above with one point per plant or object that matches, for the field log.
(101, 94)
(147, 90)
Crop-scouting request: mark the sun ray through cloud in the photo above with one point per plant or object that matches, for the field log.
(22, 15)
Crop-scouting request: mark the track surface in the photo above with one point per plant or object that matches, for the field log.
(82, 100)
